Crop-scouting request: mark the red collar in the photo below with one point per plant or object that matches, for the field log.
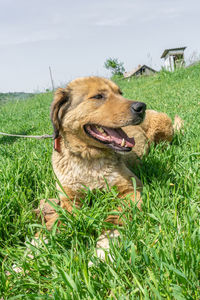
(57, 144)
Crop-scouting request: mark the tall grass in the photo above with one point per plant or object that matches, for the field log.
(157, 255)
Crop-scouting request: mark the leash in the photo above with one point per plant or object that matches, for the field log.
(45, 136)
(39, 137)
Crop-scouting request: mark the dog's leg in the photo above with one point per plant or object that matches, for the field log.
(68, 199)
(118, 218)
(157, 126)
(133, 194)
(48, 213)
(45, 210)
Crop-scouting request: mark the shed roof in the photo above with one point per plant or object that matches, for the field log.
(131, 73)
(171, 49)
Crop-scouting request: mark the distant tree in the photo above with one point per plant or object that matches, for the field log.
(116, 67)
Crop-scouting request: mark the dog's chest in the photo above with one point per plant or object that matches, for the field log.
(76, 173)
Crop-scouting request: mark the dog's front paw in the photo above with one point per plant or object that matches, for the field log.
(103, 245)
(45, 210)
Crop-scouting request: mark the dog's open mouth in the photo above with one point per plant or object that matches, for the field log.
(114, 138)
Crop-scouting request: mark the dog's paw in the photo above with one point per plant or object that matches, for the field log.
(37, 243)
(103, 245)
(178, 124)
(45, 210)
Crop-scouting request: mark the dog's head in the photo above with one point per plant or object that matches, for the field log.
(92, 111)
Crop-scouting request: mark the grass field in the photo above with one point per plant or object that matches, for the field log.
(158, 253)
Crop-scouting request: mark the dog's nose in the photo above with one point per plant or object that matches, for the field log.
(138, 108)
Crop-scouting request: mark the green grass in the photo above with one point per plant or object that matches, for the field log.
(158, 253)
(5, 97)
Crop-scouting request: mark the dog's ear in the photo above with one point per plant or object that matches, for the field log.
(59, 106)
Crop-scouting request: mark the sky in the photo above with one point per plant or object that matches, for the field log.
(76, 37)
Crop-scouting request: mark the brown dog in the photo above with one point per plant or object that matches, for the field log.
(88, 116)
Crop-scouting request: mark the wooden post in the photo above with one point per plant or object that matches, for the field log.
(51, 78)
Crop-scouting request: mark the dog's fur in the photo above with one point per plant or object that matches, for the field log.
(83, 161)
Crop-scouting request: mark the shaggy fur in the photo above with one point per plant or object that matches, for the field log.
(82, 160)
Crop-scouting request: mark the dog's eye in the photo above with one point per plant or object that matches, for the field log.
(98, 96)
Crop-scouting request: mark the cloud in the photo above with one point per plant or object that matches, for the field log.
(32, 38)
(120, 21)
(43, 30)
(162, 14)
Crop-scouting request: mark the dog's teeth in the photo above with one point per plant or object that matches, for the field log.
(100, 129)
(123, 143)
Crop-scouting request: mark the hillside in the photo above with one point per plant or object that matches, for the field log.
(14, 96)
(157, 255)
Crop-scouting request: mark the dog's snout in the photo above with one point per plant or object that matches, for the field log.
(138, 107)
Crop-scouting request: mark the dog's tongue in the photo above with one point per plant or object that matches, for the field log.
(117, 135)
